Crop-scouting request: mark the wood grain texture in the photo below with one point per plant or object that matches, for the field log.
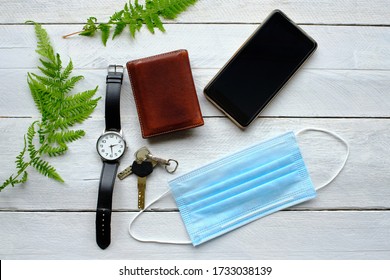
(311, 92)
(283, 235)
(210, 11)
(361, 185)
(209, 46)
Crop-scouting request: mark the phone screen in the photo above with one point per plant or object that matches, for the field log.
(260, 68)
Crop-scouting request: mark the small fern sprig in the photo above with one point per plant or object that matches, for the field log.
(135, 15)
(59, 110)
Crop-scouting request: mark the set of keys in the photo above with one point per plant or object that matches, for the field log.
(143, 166)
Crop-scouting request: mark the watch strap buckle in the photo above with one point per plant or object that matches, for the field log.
(114, 74)
(114, 68)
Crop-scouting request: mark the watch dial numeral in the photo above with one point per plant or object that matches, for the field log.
(106, 154)
(121, 146)
(101, 146)
(111, 136)
(103, 141)
(103, 150)
(119, 151)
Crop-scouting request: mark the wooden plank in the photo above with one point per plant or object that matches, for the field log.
(311, 93)
(363, 184)
(209, 46)
(283, 235)
(324, 12)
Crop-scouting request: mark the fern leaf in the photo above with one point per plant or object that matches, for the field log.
(79, 97)
(66, 136)
(24, 178)
(44, 47)
(30, 138)
(90, 27)
(35, 93)
(105, 29)
(49, 82)
(67, 71)
(117, 16)
(120, 26)
(135, 16)
(171, 9)
(59, 112)
(53, 151)
(20, 163)
(45, 169)
(9, 181)
(69, 84)
(79, 109)
(48, 72)
(157, 22)
(58, 61)
(50, 66)
(47, 94)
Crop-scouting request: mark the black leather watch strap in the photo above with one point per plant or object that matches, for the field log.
(113, 91)
(109, 170)
(104, 204)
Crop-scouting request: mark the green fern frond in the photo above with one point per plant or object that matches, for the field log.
(53, 151)
(46, 169)
(135, 16)
(20, 163)
(70, 83)
(79, 110)
(47, 81)
(36, 94)
(67, 71)
(50, 66)
(30, 139)
(105, 29)
(90, 28)
(59, 112)
(79, 97)
(66, 136)
(44, 47)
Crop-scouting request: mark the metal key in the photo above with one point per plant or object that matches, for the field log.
(142, 169)
(140, 155)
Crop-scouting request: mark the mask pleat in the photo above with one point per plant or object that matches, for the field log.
(220, 169)
(240, 182)
(253, 194)
(237, 189)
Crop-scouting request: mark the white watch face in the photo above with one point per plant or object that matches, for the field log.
(111, 146)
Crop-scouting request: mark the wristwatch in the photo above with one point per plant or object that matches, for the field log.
(111, 146)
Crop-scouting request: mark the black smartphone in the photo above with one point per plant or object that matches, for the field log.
(260, 68)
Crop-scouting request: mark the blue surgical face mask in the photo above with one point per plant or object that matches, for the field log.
(243, 187)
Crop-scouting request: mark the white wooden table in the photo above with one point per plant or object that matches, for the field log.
(344, 87)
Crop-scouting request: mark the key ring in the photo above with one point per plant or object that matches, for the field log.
(171, 170)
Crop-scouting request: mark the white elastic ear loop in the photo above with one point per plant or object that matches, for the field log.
(132, 234)
(337, 137)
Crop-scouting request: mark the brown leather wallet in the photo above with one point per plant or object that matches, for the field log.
(164, 93)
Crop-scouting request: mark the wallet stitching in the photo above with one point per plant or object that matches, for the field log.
(201, 122)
